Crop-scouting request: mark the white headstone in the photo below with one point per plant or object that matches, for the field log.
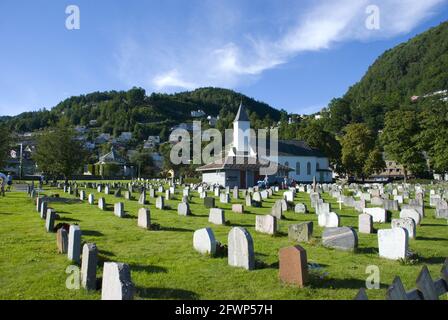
(204, 241)
(393, 243)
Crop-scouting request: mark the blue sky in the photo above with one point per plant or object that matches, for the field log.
(292, 54)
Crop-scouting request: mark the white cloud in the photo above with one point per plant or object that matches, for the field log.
(216, 60)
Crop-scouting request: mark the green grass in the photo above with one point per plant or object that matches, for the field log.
(164, 264)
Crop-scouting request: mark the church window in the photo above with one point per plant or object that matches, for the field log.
(308, 168)
(298, 168)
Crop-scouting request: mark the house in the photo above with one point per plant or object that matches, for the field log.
(125, 137)
(102, 138)
(113, 165)
(152, 142)
(242, 165)
(197, 114)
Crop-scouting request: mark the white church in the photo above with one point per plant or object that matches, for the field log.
(241, 166)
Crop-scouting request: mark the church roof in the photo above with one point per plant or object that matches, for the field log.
(240, 163)
(112, 157)
(242, 114)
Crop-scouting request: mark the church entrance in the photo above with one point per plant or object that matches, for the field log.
(243, 179)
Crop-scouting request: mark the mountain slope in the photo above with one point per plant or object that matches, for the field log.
(417, 67)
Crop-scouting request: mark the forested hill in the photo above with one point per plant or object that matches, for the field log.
(133, 110)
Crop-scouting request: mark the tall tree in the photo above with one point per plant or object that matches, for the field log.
(58, 153)
(433, 137)
(400, 140)
(358, 143)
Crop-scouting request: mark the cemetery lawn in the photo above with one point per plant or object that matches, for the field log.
(164, 264)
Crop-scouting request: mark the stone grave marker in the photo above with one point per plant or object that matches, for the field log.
(204, 241)
(74, 243)
(117, 283)
(393, 243)
(343, 238)
(266, 224)
(241, 249)
(301, 232)
(88, 266)
(293, 266)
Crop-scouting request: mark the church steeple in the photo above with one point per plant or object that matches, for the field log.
(242, 114)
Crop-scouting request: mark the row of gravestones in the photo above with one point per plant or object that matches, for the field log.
(293, 266)
(116, 278)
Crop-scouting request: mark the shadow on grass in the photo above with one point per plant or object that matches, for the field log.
(68, 219)
(432, 260)
(106, 253)
(432, 239)
(174, 229)
(240, 225)
(318, 282)
(166, 293)
(92, 233)
(369, 250)
(148, 268)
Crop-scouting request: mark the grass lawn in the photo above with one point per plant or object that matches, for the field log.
(164, 264)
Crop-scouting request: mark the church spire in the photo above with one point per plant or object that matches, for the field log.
(242, 114)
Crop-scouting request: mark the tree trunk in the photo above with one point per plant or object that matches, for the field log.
(405, 172)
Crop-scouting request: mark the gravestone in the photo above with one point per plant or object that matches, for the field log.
(256, 198)
(300, 208)
(323, 208)
(377, 201)
(411, 213)
(237, 208)
(288, 196)
(119, 209)
(183, 209)
(88, 266)
(277, 209)
(224, 198)
(127, 195)
(405, 223)
(39, 201)
(293, 266)
(106, 190)
(235, 193)
(62, 240)
(420, 209)
(117, 283)
(379, 215)
(248, 200)
(50, 219)
(167, 195)
(91, 199)
(142, 198)
(74, 243)
(391, 205)
(209, 202)
(160, 203)
(204, 241)
(216, 216)
(365, 223)
(102, 204)
(328, 220)
(301, 232)
(152, 193)
(43, 209)
(144, 218)
(82, 195)
(266, 224)
(241, 249)
(393, 243)
(343, 238)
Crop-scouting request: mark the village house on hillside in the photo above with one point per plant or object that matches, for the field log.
(241, 167)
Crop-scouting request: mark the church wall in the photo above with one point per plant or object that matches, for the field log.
(214, 178)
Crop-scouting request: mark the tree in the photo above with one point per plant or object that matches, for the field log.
(314, 134)
(338, 116)
(5, 143)
(433, 137)
(144, 163)
(374, 163)
(58, 153)
(400, 140)
(358, 143)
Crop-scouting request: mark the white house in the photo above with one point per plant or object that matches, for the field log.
(242, 165)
